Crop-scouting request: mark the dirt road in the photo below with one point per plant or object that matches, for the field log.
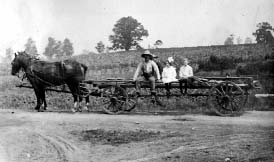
(88, 137)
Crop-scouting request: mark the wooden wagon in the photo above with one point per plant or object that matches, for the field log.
(226, 95)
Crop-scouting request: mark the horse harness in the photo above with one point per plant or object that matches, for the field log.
(30, 72)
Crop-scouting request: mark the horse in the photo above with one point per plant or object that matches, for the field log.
(42, 74)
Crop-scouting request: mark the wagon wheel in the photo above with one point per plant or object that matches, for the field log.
(114, 99)
(131, 100)
(227, 98)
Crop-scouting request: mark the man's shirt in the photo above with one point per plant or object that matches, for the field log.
(147, 67)
(185, 71)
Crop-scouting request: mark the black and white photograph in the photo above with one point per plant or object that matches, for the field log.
(137, 81)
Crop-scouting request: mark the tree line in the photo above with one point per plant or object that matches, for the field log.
(263, 35)
(54, 48)
(128, 32)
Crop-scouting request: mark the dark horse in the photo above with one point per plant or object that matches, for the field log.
(42, 74)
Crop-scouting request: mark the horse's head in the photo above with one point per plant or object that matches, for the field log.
(21, 60)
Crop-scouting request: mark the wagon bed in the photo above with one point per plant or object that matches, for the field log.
(227, 95)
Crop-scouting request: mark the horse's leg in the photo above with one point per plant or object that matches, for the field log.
(87, 101)
(73, 90)
(80, 100)
(38, 98)
(83, 90)
(43, 98)
(80, 89)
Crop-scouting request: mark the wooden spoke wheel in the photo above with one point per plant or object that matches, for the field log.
(132, 98)
(226, 98)
(114, 99)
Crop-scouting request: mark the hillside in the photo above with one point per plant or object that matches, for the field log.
(123, 64)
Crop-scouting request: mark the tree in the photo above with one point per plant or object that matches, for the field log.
(127, 33)
(30, 48)
(158, 43)
(100, 47)
(67, 48)
(49, 50)
(248, 40)
(58, 49)
(229, 40)
(239, 40)
(263, 33)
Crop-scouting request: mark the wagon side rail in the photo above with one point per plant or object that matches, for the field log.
(246, 82)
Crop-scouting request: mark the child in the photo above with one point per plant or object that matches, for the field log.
(185, 73)
(169, 75)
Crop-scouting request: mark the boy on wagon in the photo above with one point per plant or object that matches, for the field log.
(185, 74)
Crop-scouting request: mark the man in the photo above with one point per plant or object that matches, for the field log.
(185, 73)
(147, 71)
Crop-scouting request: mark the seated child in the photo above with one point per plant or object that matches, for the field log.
(169, 74)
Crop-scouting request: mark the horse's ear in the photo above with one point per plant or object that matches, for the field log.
(15, 54)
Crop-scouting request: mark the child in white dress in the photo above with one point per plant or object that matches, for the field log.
(169, 75)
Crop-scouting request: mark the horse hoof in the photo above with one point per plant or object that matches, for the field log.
(73, 110)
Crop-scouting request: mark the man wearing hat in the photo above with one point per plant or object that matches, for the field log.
(147, 71)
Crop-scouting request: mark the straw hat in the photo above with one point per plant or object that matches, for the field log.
(147, 52)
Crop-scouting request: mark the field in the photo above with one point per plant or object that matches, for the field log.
(183, 130)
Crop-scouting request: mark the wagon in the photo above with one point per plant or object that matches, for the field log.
(225, 95)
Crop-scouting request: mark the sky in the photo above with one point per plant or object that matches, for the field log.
(178, 23)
